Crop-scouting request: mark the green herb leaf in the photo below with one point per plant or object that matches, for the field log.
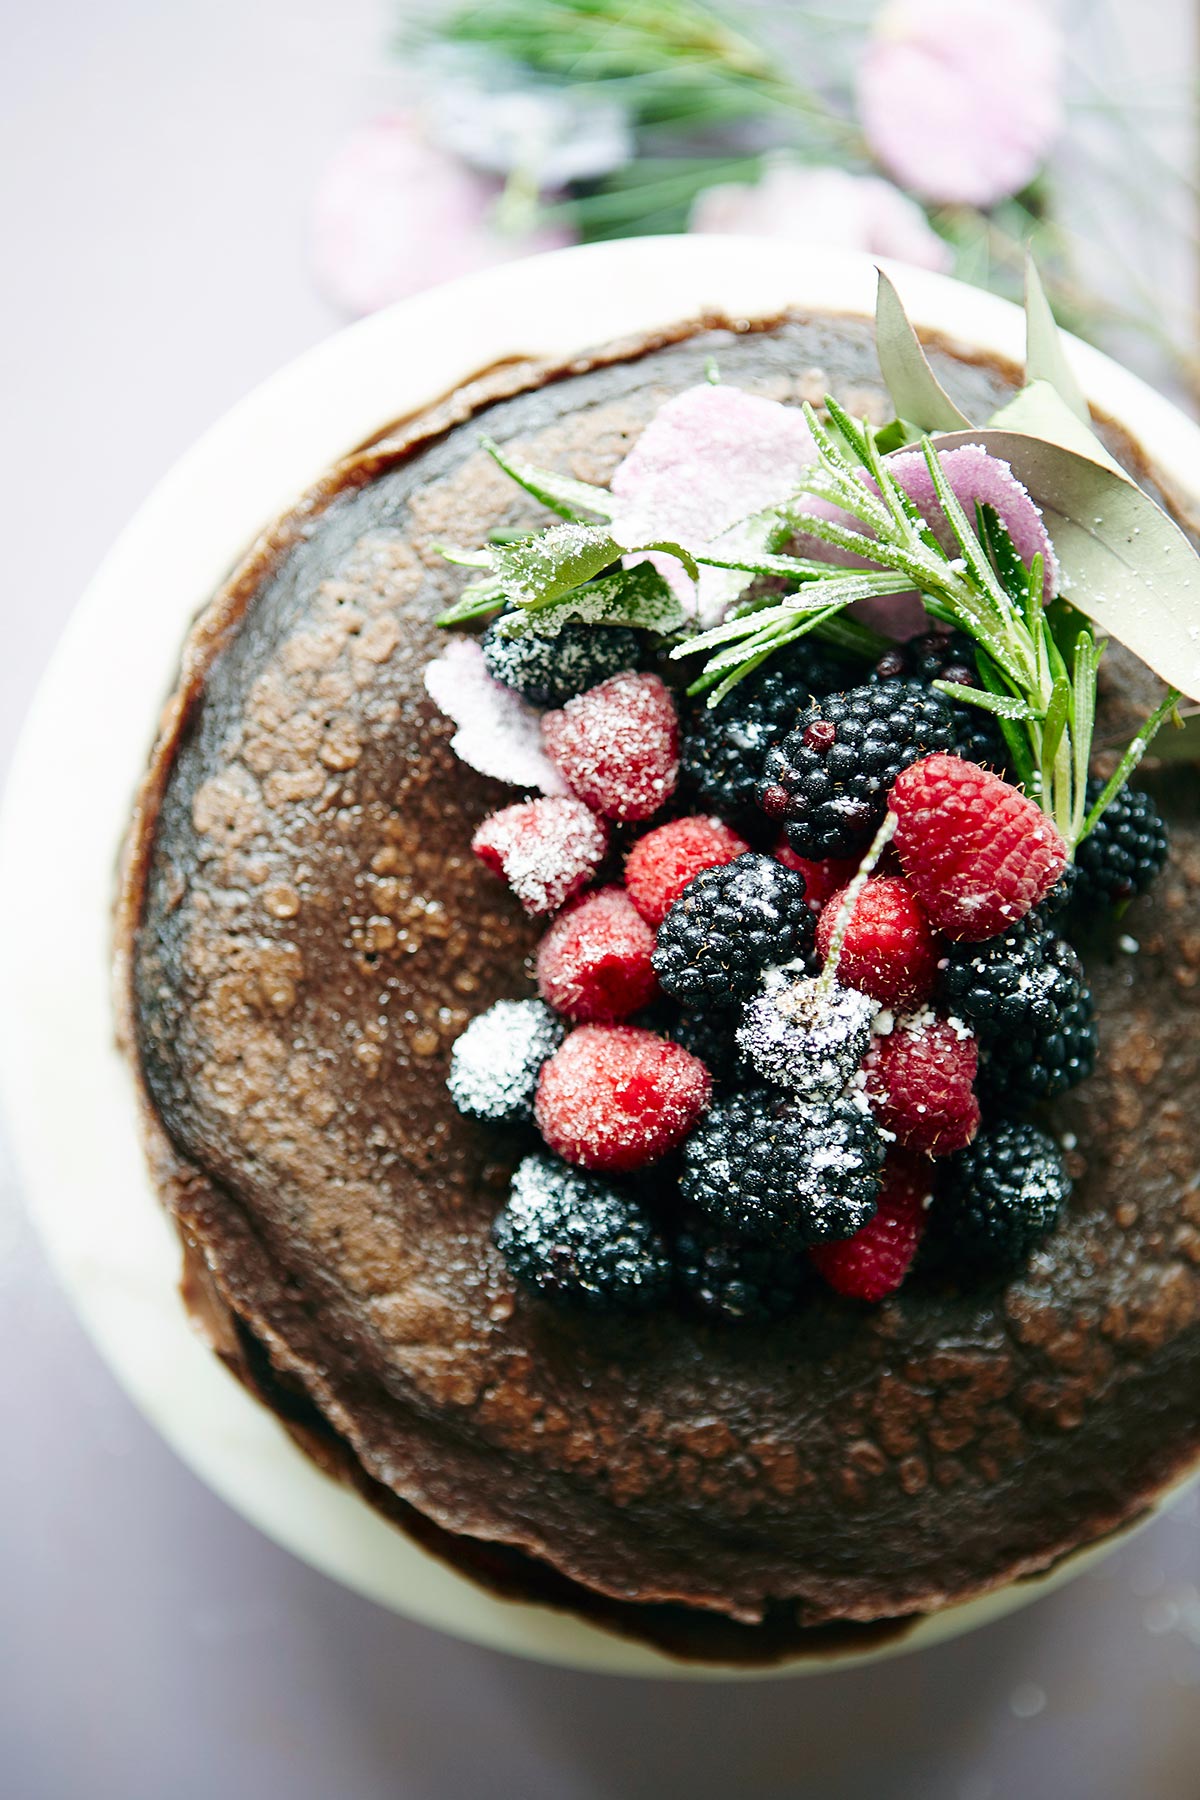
(477, 601)
(1129, 762)
(639, 597)
(916, 392)
(570, 499)
(1003, 706)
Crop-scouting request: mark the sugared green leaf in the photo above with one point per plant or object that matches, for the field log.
(917, 394)
(639, 597)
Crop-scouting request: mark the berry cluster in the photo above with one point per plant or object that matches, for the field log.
(821, 1052)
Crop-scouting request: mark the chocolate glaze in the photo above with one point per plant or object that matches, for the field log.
(303, 933)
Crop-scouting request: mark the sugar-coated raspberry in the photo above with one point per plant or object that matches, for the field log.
(920, 1083)
(617, 746)
(889, 950)
(547, 850)
(873, 1263)
(661, 864)
(978, 853)
(616, 1097)
(594, 962)
(822, 878)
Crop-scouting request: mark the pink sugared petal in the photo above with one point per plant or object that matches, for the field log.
(499, 734)
(960, 100)
(977, 476)
(710, 458)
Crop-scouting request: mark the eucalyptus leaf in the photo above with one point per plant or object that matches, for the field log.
(639, 597)
(1045, 352)
(1040, 411)
(1132, 571)
(917, 394)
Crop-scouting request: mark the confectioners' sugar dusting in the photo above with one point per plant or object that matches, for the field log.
(499, 734)
(546, 860)
(806, 1035)
(495, 1064)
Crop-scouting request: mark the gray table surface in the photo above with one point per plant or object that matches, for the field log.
(156, 166)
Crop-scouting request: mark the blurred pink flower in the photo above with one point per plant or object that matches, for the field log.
(960, 99)
(824, 206)
(392, 215)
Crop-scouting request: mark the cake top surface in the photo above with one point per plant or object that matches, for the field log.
(315, 936)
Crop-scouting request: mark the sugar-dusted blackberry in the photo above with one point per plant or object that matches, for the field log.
(723, 747)
(574, 1238)
(1018, 1070)
(828, 780)
(731, 1279)
(1013, 986)
(1000, 1196)
(772, 1169)
(1124, 852)
(946, 655)
(495, 1063)
(728, 926)
(548, 670)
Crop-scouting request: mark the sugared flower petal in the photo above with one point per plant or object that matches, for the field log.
(499, 734)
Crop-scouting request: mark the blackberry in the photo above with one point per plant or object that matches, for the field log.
(768, 1168)
(1013, 986)
(805, 1035)
(728, 926)
(1000, 1196)
(710, 1036)
(829, 778)
(1125, 851)
(573, 1238)
(723, 747)
(495, 1064)
(1024, 994)
(750, 1283)
(950, 656)
(548, 670)
(1015, 1071)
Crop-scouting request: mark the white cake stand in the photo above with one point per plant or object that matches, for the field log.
(68, 1094)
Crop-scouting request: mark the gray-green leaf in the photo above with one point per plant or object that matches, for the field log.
(917, 394)
(1045, 352)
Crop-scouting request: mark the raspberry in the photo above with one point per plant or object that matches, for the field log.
(727, 927)
(920, 1083)
(495, 1063)
(615, 1097)
(548, 670)
(822, 878)
(661, 864)
(547, 850)
(617, 746)
(573, 1238)
(978, 853)
(773, 1169)
(737, 1281)
(1001, 1196)
(889, 950)
(943, 655)
(806, 1035)
(828, 779)
(594, 962)
(873, 1263)
(1124, 851)
(722, 753)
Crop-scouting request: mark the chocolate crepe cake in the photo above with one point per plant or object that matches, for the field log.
(304, 934)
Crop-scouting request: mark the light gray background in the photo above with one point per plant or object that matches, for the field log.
(155, 166)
